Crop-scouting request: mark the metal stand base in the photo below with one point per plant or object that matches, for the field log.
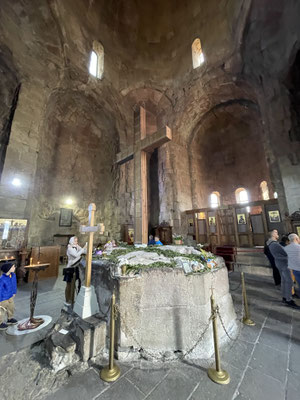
(110, 375)
(222, 377)
(248, 321)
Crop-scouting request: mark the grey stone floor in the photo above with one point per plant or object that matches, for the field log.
(49, 302)
(264, 363)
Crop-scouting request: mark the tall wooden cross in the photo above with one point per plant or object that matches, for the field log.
(143, 145)
(91, 229)
(86, 301)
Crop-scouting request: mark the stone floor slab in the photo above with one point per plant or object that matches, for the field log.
(293, 386)
(122, 389)
(237, 354)
(145, 379)
(208, 390)
(258, 386)
(271, 362)
(175, 386)
(275, 339)
(84, 386)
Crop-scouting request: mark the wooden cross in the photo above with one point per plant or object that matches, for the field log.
(143, 145)
(91, 229)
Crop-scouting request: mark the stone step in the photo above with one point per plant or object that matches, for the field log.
(74, 339)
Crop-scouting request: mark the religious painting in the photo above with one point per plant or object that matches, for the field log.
(212, 220)
(65, 218)
(274, 216)
(241, 219)
(12, 232)
(131, 235)
(191, 222)
(200, 215)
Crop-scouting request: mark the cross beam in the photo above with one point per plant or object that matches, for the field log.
(144, 144)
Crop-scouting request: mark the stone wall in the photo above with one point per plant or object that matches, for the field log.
(67, 126)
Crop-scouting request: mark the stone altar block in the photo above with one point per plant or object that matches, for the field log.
(166, 311)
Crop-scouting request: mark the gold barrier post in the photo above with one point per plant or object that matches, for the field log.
(246, 319)
(217, 375)
(111, 372)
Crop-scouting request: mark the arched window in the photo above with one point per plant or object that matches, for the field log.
(96, 66)
(275, 195)
(197, 53)
(264, 190)
(215, 199)
(241, 196)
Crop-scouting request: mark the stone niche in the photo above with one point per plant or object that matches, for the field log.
(163, 313)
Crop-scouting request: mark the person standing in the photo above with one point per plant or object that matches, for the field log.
(8, 290)
(281, 262)
(71, 272)
(293, 252)
(276, 274)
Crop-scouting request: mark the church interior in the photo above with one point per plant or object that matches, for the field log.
(175, 119)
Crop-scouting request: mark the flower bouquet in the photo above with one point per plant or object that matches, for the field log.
(178, 239)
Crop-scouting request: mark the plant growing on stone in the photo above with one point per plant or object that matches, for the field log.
(177, 237)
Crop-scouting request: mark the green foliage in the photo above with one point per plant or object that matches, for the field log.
(158, 264)
(171, 254)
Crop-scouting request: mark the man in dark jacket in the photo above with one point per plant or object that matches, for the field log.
(276, 274)
(281, 261)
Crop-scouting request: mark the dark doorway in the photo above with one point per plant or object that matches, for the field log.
(153, 192)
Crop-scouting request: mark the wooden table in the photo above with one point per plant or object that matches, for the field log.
(10, 259)
(33, 323)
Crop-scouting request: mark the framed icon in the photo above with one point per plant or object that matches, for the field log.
(65, 217)
(241, 219)
(212, 220)
(274, 216)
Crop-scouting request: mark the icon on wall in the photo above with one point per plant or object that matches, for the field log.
(241, 218)
(274, 216)
(212, 220)
(65, 218)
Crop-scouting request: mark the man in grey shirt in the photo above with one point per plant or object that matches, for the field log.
(293, 252)
(281, 261)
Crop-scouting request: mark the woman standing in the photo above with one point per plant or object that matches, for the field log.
(71, 272)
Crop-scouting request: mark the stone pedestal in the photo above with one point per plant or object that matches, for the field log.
(165, 311)
(86, 302)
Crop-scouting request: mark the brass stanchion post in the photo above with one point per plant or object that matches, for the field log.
(246, 318)
(111, 372)
(217, 375)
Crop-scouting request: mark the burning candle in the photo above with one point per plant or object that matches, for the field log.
(30, 260)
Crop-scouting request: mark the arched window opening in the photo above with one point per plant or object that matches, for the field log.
(197, 53)
(96, 66)
(241, 196)
(275, 195)
(215, 199)
(265, 190)
(93, 64)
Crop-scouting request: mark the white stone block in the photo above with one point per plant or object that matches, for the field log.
(86, 303)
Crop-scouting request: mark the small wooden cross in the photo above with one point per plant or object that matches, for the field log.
(143, 145)
(91, 229)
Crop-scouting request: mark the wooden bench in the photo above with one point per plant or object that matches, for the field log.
(229, 255)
